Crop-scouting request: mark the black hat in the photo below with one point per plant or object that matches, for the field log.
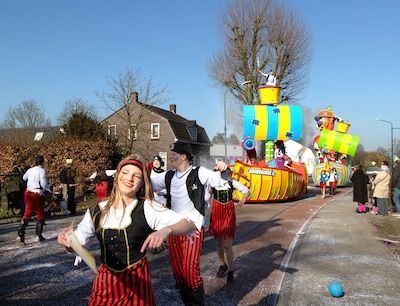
(157, 157)
(182, 148)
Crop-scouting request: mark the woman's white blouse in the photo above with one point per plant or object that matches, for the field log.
(157, 217)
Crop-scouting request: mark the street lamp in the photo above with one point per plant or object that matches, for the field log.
(226, 91)
(391, 136)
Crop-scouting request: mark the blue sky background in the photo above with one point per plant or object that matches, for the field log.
(52, 51)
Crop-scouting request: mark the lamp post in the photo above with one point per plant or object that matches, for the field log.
(225, 144)
(391, 136)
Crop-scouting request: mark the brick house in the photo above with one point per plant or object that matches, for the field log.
(150, 130)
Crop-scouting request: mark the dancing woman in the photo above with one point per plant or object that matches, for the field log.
(124, 225)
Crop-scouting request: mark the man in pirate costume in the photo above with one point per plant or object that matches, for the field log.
(185, 194)
(223, 223)
(123, 225)
(34, 198)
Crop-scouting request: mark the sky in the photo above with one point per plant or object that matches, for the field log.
(53, 51)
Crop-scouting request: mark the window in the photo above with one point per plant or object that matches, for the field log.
(155, 131)
(112, 131)
(132, 132)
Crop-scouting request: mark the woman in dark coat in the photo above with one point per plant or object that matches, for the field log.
(360, 189)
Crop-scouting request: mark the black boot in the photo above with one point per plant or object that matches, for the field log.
(39, 230)
(197, 296)
(21, 231)
(185, 295)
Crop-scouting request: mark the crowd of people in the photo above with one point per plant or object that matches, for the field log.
(378, 190)
(143, 206)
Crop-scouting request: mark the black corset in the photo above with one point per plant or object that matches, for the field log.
(120, 247)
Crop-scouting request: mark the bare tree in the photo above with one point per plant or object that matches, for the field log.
(28, 114)
(119, 96)
(259, 34)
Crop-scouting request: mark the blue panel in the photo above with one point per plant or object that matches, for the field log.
(272, 124)
(296, 122)
(248, 118)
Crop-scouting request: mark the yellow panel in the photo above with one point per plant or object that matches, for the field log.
(266, 187)
(269, 95)
(283, 122)
(342, 127)
(344, 146)
(276, 185)
(284, 185)
(330, 139)
(255, 186)
(262, 117)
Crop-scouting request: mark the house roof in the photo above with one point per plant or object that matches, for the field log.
(181, 126)
(29, 135)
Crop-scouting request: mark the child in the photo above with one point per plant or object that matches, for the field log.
(333, 176)
(323, 178)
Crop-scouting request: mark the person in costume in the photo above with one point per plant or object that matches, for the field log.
(124, 225)
(323, 179)
(223, 223)
(332, 180)
(156, 170)
(270, 78)
(186, 186)
(34, 198)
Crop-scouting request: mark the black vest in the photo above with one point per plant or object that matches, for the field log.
(195, 188)
(120, 247)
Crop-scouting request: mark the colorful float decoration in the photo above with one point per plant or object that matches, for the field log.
(269, 177)
(332, 147)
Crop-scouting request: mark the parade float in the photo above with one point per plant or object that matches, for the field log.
(332, 147)
(268, 177)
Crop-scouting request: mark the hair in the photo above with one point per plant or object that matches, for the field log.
(39, 160)
(360, 168)
(145, 192)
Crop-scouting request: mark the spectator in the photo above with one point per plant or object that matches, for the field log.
(64, 178)
(71, 186)
(396, 184)
(360, 189)
(382, 190)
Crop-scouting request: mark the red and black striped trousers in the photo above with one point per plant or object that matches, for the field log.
(130, 287)
(184, 253)
(33, 202)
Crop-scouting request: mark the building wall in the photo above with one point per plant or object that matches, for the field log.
(143, 145)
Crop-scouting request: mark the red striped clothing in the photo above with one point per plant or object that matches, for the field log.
(33, 202)
(130, 287)
(184, 254)
(222, 220)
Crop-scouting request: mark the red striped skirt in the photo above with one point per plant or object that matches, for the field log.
(222, 220)
(130, 287)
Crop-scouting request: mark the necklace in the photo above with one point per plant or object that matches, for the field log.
(179, 177)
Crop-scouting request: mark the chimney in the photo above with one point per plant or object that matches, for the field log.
(134, 97)
(172, 108)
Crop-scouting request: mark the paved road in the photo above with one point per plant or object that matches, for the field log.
(43, 273)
